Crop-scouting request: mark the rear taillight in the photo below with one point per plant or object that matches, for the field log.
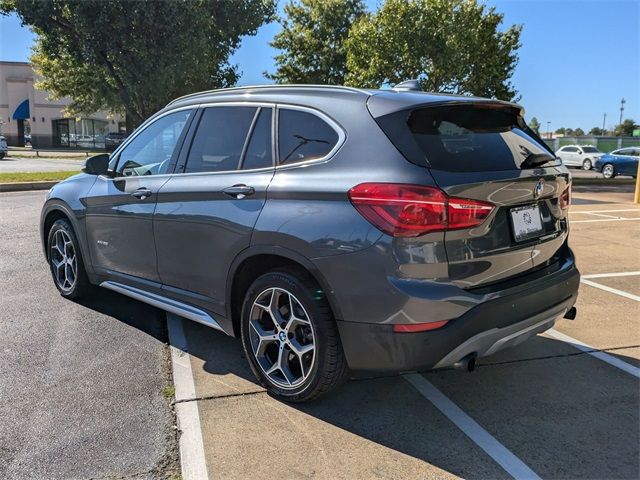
(565, 198)
(403, 210)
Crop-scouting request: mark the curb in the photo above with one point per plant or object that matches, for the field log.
(26, 186)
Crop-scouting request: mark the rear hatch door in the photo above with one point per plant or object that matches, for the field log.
(484, 151)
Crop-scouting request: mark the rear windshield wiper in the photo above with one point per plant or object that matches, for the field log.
(536, 159)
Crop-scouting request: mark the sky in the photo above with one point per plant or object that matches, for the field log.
(578, 58)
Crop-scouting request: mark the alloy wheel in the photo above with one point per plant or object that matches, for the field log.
(64, 261)
(607, 171)
(282, 338)
(587, 165)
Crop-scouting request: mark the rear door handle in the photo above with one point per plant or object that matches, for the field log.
(142, 193)
(239, 191)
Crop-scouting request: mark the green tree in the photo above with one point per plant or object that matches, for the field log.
(452, 46)
(578, 132)
(562, 131)
(132, 57)
(534, 125)
(597, 131)
(625, 129)
(312, 41)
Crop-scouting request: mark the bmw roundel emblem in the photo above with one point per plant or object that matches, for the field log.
(538, 189)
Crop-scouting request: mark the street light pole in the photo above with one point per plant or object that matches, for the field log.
(622, 102)
(548, 129)
(604, 119)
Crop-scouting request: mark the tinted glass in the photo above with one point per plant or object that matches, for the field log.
(570, 149)
(219, 140)
(149, 153)
(468, 139)
(303, 136)
(590, 150)
(259, 153)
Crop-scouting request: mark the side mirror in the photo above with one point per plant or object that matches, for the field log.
(97, 165)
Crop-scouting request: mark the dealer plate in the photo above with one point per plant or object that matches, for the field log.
(527, 222)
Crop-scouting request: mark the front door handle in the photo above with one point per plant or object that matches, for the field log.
(239, 191)
(142, 193)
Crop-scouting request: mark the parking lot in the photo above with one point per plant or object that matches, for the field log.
(566, 404)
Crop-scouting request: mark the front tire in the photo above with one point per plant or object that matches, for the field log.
(65, 261)
(608, 171)
(586, 165)
(290, 337)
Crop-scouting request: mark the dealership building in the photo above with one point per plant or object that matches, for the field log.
(26, 110)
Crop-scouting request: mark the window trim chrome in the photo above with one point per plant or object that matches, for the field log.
(147, 123)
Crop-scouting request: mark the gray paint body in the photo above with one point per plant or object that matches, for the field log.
(187, 238)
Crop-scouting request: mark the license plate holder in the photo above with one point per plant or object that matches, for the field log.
(526, 222)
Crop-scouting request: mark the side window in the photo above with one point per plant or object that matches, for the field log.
(570, 149)
(219, 140)
(303, 136)
(150, 152)
(259, 153)
(635, 153)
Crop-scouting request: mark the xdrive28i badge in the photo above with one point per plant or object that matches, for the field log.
(538, 189)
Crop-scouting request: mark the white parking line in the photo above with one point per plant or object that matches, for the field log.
(605, 357)
(607, 275)
(622, 293)
(599, 214)
(606, 220)
(192, 460)
(504, 457)
(608, 211)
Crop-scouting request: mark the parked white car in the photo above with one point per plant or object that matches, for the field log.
(583, 156)
(3, 147)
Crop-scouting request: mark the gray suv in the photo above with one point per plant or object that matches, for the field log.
(331, 228)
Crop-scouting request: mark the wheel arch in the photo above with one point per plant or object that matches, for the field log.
(257, 260)
(56, 209)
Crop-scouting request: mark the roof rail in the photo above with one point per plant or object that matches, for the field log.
(262, 87)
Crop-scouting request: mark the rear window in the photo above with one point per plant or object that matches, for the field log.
(590, 150)
(466, 139)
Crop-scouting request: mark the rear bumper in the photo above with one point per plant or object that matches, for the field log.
(483, 330)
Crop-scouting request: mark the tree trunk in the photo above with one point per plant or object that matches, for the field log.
(128, 122)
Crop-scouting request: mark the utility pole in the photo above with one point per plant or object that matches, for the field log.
(548, 131)
(622, 102)
(604, 119)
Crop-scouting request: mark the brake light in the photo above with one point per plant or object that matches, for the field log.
(404, 210)
(565, 198)
(418, 327)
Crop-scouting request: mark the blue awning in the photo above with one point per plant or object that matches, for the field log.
(22, 112)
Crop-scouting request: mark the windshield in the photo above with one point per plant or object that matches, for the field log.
(473, 139)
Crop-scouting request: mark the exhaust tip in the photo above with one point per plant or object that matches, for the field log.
(571, 313)
(468, 363)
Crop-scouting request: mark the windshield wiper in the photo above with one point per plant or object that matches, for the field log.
(536, 159)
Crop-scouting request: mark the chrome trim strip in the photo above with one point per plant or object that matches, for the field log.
(173, 306)
(486, 343)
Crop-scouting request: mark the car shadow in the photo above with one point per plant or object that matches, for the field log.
(545, 401)
(543, 384)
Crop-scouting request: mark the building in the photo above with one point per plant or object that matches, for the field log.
(25, 110)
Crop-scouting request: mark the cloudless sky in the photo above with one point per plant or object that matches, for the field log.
(578, 57)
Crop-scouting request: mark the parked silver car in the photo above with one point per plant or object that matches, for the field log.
(583, 156)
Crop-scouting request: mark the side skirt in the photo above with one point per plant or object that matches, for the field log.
(173, 306)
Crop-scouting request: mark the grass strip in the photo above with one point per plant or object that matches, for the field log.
(16, 177)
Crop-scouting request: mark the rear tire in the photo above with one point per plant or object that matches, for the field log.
(608, 171)
(586, 165)
(65, 261)
(290, 337)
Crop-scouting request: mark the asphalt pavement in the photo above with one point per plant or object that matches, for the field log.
(81, 384)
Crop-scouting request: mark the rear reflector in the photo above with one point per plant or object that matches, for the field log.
(418, 327)
(404, 210)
